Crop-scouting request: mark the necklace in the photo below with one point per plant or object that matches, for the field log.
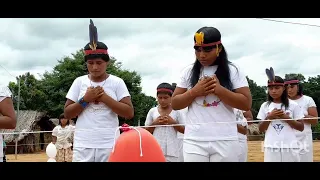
(102, 84)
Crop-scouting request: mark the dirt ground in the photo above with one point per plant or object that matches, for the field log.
(254, 155)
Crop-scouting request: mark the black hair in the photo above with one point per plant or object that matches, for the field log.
(300, 88)
(166, 86)
(62, 117)
(211, 35)
(284, 95)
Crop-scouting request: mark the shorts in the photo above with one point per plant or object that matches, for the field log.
(243, 155)
(306, 153)
(281, 155)
(91, 154)
(211, 151)
(64, 155)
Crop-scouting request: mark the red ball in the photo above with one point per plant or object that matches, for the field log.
(128, 149)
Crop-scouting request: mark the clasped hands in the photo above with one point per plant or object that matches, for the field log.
(278, 114)
(164, 120)
(207, 85)
(94, 94)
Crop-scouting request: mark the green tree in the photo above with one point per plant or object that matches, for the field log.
(259, 96)
(53, 87)
(31, 94)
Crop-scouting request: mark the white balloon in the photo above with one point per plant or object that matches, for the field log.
(51, 160)
(51, 150)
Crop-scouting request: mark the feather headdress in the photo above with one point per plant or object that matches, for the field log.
(93, 35)
(94, 46)
(272, 78)
(270, 74)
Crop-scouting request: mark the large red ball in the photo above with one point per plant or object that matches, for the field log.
(127, 147)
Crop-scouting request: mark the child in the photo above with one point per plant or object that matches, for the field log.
(280, 144)
(211, 88)
(309, 108)
(242, 126)
(62, 136)
(97, 99)
(164, 115)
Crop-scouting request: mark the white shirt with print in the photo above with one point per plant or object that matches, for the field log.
(279, 133)
(241, 121)
(64, 136)
(305, 102)
(97, 124)
(200, 120)
(4, 93)
(167, 137)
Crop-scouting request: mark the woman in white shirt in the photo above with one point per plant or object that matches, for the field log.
(163, 114)
(8, 115)
(62, 136)
(211, 87)
(309, 108)
(281, 143)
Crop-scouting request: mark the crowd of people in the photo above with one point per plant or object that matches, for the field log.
(208, 110)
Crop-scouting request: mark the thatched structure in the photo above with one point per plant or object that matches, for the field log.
(253, 133)
(29, 121)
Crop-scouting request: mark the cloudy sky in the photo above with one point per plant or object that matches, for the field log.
(158, 49)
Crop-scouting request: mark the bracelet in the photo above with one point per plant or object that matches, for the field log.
(82, 102)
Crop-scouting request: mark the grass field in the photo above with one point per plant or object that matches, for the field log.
(254, 155)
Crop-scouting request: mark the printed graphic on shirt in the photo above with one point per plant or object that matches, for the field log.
(239, 116)
(278, 128)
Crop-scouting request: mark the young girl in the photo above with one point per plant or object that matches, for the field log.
(309, 108)
(211, 88)
(8, 115)
(242, 126)
(97, 99)
(164, 115)
(62, 136)
(280, 144)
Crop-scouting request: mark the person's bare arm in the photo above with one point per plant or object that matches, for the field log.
(181, 98)
(312, 113)
(8, 120)
(298, 125)
(54, 139)
(241, 98)
(123, 108)
(242, 129)
(72, 109)
(248, 115)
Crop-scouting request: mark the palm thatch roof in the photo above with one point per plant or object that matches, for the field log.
(55, 121)
(25, 123)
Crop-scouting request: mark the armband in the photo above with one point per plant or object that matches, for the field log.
(82, 102)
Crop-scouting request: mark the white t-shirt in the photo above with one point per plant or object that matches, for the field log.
(242, 121)
(167, 137)
(206, 115)
(305, 102)
(279, 133)
(4, 93)
(64, 136)
(96, 125)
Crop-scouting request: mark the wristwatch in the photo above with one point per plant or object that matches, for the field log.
(82, 102)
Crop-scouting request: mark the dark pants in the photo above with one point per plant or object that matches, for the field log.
(4, 156)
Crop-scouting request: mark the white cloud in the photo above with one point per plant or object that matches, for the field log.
(159, 48)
